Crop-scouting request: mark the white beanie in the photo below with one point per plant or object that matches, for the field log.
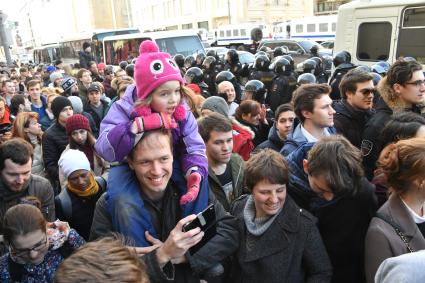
(54, 76)
(73, 160)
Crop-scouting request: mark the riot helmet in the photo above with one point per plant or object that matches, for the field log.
(255, 90)
(279, 51)
(189, 62)
(200, 59)
(262, 63)
(291, 61)
(209, 63)
(232, 56)
(225, 76)
(179, 59)
(282, 66)
(306, 78)
(342, 57)
(123, 64)
(309, 66)
(195, 76)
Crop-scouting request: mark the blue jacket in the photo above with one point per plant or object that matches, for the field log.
(296, 139)
(273, 141)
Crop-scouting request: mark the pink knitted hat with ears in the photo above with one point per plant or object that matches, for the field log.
(152, 69)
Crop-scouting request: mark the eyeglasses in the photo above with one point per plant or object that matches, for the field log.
(367, 91)
(417, 83)
(25, 252)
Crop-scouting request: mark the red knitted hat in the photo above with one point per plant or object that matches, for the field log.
(76, 122)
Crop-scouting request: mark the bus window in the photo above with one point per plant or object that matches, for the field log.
(333, 26)
(374, 41)
(299, 28)
(243, 32)
(222, 33)
(412, 29)
(235, 32)
(311, 27)
(228, 33)
(186, 45)
(323, 27)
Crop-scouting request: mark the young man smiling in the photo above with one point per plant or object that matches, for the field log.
(38, 102)
(354, 110)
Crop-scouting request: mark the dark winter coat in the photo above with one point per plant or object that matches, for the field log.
(53, 143)
(342, 222)
(350, 122)
(85, 58)
(164, 220)
(290, 250)
(237, 166)
(96, 118)
(273, 142)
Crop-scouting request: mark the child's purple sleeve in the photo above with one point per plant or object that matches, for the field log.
(116, 141)
(194, 153)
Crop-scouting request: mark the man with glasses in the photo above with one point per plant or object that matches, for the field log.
(354, 110)
(401, 90)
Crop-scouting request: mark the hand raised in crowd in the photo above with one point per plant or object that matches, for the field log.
(141, 251)
(179, 242)
(263, 112)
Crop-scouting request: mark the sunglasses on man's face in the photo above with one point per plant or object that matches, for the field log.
(367, 91)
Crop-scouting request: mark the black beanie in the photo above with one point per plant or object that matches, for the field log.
(58, 104)
(85, 45)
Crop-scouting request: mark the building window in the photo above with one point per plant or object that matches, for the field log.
(203, 25)
(323, 27)
(374, 41)
(222, 33)
(186, 26)
(299, 28)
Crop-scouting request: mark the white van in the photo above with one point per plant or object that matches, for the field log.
(122, 47)
(246, 35)
(381, 30)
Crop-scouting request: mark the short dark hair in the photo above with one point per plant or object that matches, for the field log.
(339, 162)
(147, 134)
(401, 126)
(23, 70)
(17, 149)
(283, 108)
(351, 79)
(32, 83)
(402, 71)
(266, 165)
(213, 122)
(304, 96)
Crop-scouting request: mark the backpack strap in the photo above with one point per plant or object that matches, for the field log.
(66, 204)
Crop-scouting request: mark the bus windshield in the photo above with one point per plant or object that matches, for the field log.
(186, 45)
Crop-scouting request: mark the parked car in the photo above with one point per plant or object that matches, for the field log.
(328, 44)
(300, 50)
(246, 57)
(221, 51)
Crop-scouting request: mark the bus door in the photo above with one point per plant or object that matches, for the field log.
(375, 39)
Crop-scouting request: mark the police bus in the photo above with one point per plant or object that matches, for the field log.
(381, 30)
(317, 28)
(124, 47)
(67, 50)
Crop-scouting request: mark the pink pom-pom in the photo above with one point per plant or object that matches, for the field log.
(148, 46)
(142, 111)
(180, 113)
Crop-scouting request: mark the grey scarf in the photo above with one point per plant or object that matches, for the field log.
(256, 226)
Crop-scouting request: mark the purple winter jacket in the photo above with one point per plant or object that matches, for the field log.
(116, 140)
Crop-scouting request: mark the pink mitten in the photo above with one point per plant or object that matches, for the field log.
(193, 185)
(152, 122)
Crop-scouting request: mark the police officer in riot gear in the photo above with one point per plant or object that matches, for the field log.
(123, 64)
(210, 72)
(309, 66)
(283, 84)
(262, 72)
(189, 62)
(228, 76)
(279, 51)
(291, 61)
(195, 76)
(179, 59)
(256, 90)
(199, 60)
(232, 64)
(314, 51)
(342, 63)
(321, 76)
(218, 63)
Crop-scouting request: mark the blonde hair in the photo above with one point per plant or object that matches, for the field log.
(105, 260)
(51, 90)
(22, 121)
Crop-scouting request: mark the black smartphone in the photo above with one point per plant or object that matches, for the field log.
(207, 222)
(203, 220)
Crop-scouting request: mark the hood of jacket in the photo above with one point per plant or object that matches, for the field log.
(342, 107)
(274, 137)
(240, 128)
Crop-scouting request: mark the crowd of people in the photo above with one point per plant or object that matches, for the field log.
(108, 175)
